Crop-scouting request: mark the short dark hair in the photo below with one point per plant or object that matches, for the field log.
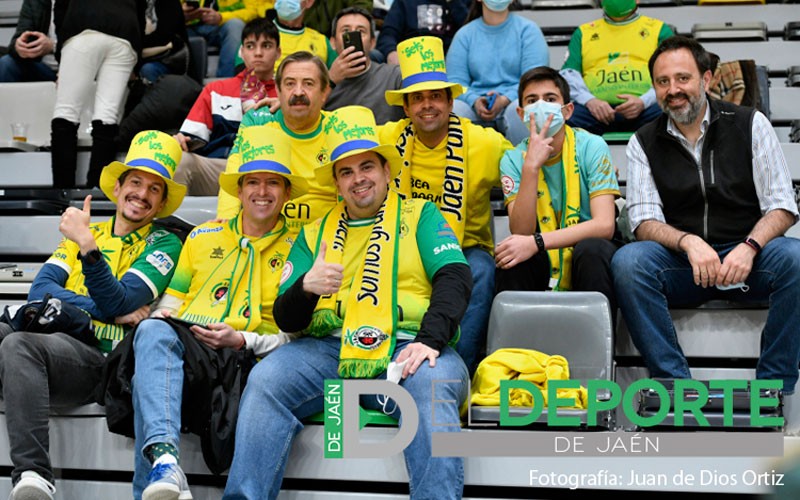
(261, 26)
(543, 74)
(303, 56)
(124, 175)
(447, 90)
(701, 57)
(353, 10)
(382, 159)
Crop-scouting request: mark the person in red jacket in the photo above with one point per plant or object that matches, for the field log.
(207, 134)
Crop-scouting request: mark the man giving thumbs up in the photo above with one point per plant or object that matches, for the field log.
(111, 270)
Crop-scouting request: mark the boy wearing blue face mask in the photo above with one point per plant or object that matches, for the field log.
(559, 186)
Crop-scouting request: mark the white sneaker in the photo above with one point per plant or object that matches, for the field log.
(166, 481)
(32, 486)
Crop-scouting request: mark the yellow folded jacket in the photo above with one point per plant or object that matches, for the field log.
(521, 364)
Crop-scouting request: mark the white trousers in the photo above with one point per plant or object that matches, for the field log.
(87, 57)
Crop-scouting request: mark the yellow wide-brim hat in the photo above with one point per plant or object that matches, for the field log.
(153, 152)
(263, 152)
(349, 131)
(422, 66)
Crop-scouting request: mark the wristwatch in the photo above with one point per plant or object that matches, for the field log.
(92, 257)
(752, 243)
(537, 237)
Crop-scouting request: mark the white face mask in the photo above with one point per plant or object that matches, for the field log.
(541, 110)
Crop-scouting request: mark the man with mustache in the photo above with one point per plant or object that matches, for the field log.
(303, 86)
(710, 198)
(112, 270)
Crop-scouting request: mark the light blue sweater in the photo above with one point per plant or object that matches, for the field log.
(485, 58)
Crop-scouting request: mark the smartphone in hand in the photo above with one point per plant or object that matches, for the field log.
(490, 98)
(353, 39)
(194, 4)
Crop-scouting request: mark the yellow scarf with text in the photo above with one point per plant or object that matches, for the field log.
(370, 321)
(452, 177)
(561, 258)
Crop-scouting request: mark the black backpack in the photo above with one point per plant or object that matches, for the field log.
(51, 315)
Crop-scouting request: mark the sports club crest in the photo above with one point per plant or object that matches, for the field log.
(276, 262)
(322, 156)
(368, 337)
(219, 293)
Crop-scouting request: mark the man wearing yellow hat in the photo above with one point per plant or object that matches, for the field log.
(110, 270)
(303, 86)
(452, 162)
(226, 282)
(378, 279)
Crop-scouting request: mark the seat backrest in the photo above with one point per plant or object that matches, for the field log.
(198, 58)
(576, 325)
(730, 31)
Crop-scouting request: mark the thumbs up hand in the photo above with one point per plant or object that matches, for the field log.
(75, 225)
(323, 278)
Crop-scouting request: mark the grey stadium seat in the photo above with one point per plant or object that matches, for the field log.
(576, 325)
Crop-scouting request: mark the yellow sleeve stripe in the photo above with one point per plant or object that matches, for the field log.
(175, 293)
(615, 192)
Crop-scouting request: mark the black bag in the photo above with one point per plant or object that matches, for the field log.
(213, 383)
(51, 315)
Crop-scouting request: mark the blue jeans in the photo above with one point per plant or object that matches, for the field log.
(288, 386)
(152, 71)
(472, 343)
(228, 37)
(582, 118)
(648, 279)
(157, 393)
(507, 122)
(40, 371)
(15, 70)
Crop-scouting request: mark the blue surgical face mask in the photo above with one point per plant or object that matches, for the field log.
(541, 109)
(288, 10)
(497, 5)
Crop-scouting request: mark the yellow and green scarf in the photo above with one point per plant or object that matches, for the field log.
(561, 258)
(370, 321)
(453, 177)
(243, 297)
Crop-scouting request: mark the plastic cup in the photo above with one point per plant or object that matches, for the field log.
(19, 131)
